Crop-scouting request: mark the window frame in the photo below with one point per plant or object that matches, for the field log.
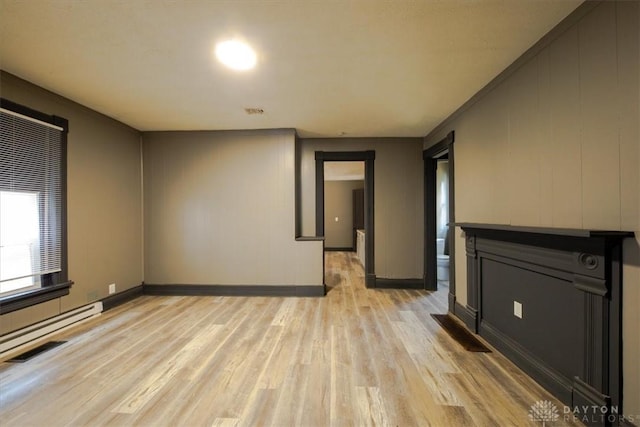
(53, 285)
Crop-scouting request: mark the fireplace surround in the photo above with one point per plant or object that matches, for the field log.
(550, 300)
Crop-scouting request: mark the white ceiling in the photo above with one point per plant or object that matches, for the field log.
(327, 68)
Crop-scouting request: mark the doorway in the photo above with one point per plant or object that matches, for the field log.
(343, 205)
(439, 253)
(442, 219)
(367, 157)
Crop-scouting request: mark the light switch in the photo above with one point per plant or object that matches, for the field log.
(336, 219)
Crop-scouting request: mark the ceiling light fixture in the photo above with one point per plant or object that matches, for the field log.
(236, 55)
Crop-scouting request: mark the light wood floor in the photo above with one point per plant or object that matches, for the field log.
(356, 357)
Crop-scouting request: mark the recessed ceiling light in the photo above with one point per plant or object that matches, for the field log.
(236, 55)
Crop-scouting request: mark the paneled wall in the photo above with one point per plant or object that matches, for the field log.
(104, 202)
(557, 144)
(219, 210)
(398, 212)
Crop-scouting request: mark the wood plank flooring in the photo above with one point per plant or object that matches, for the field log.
(353, 358)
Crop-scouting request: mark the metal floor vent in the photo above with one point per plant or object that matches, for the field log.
(35, 351)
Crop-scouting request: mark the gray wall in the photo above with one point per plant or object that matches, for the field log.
(338, 202)
(399, 221)
(104, 202)
(557, 144)
(219, 210)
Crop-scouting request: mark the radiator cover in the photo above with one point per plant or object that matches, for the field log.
(14, 342)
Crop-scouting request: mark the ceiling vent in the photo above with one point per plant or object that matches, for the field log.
(251, 111)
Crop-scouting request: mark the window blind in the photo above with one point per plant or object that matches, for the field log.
(30, 198)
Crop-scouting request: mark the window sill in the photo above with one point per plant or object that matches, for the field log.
(27, 299)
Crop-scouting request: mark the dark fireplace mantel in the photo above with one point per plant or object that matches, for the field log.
(550, 300)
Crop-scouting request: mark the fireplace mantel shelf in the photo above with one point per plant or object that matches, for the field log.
(569, 232)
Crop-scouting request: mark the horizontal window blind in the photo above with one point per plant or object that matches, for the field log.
(30, 198)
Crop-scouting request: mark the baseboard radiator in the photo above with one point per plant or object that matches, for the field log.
(17, 340)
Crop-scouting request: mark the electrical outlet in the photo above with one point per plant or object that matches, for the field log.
(517, 309)
(112, 288)
(336, 219)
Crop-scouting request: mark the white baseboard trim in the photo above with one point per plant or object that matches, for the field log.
(14, 342)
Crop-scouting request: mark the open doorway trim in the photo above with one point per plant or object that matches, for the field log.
(430, 156)
(351, 156)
